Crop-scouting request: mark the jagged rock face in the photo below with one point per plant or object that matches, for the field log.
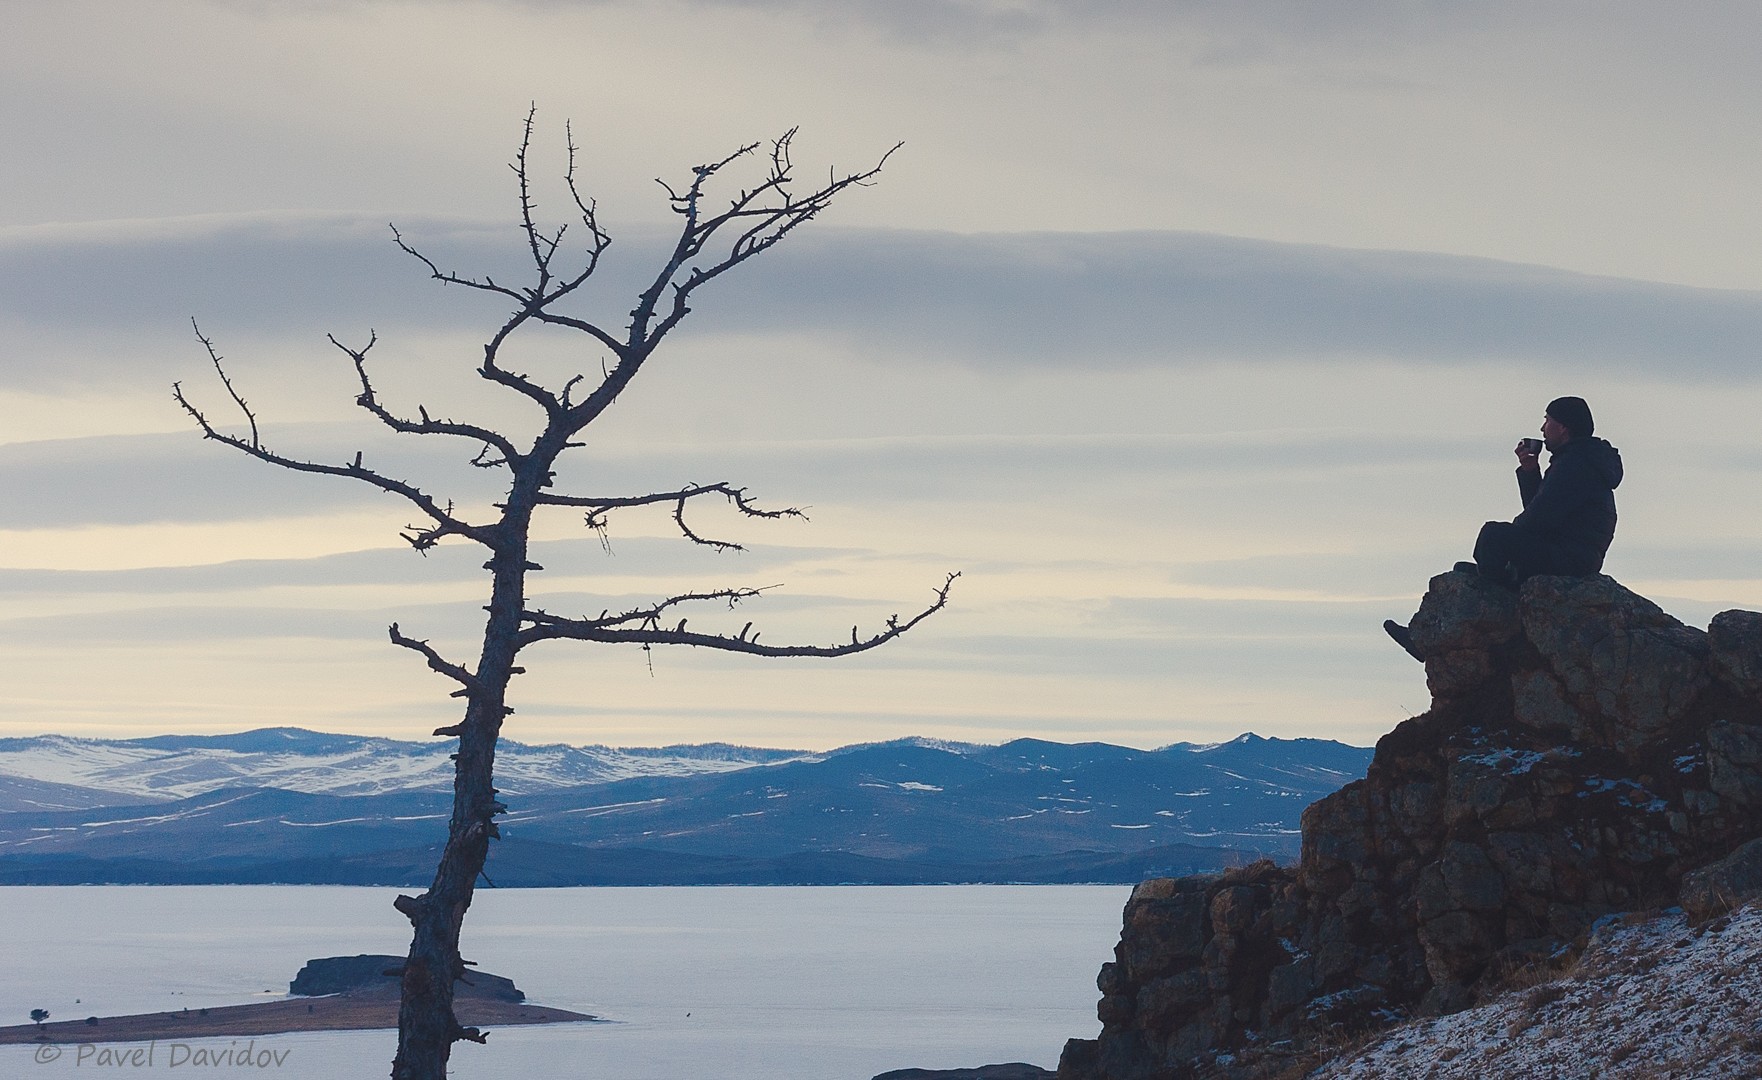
(1583, 753)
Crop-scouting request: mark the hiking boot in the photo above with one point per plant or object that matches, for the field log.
(1403, 637)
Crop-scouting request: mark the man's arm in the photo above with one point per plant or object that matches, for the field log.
(1529, 471)
(1529, 481)
(1549, 504)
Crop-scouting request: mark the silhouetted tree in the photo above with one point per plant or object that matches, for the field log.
(712, 239)
(38, 1016)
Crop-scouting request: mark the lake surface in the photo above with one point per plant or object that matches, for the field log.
(728, 983)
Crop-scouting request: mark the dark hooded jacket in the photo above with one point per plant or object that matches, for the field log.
(1570, 509)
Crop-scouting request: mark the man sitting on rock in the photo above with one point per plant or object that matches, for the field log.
(1568, 514)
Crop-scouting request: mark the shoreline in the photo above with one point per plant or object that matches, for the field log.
(335, 1012)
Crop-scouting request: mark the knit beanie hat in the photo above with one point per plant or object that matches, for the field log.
(1574, 414)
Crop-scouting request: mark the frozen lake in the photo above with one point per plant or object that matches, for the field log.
(733, 983)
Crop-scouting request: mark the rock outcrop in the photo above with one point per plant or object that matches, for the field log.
(369, 973)
(1584, 753)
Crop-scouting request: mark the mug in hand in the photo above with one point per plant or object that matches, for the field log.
(1530, 447)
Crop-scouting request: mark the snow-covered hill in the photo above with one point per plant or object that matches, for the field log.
(54, 772)
(58, 772)
(1650, 998)
(291, 805)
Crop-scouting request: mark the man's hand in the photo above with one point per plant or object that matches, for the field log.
(1527, 451)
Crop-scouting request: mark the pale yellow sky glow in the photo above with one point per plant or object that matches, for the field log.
(1195, 336)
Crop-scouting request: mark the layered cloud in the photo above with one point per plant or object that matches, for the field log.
(1097, 301)
(1536, 133)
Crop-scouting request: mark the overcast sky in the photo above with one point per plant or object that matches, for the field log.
(1195, 336)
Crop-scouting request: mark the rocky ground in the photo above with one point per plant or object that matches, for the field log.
(1650, 998)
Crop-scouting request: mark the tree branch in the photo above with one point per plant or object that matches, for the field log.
(534, 301)
(597, 508)
(368, 399)
(448, 277)
(214, 357)
(514, 380)
(766, 213)
(545, 627)
(772, 222)
(542, 261)
(468, 682)
(445, 523)
(649, 616)
(489, 370)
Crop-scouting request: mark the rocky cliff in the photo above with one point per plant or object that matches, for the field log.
(1584, 753)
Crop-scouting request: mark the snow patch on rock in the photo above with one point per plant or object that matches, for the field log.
(1650, 997)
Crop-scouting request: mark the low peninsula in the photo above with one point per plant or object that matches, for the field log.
(337, 993)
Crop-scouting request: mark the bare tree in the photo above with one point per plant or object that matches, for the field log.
(713, 238)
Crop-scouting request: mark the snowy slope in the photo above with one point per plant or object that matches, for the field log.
(292, 759)
(56, 771)
(1650, 998)
(21, 793)
(279, 802)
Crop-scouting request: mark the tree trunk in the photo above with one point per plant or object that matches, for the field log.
(427, 1026)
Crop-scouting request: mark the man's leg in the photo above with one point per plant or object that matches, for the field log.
(1504, 554)
(1403, 637)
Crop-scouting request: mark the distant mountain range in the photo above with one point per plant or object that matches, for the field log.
(296, 806)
